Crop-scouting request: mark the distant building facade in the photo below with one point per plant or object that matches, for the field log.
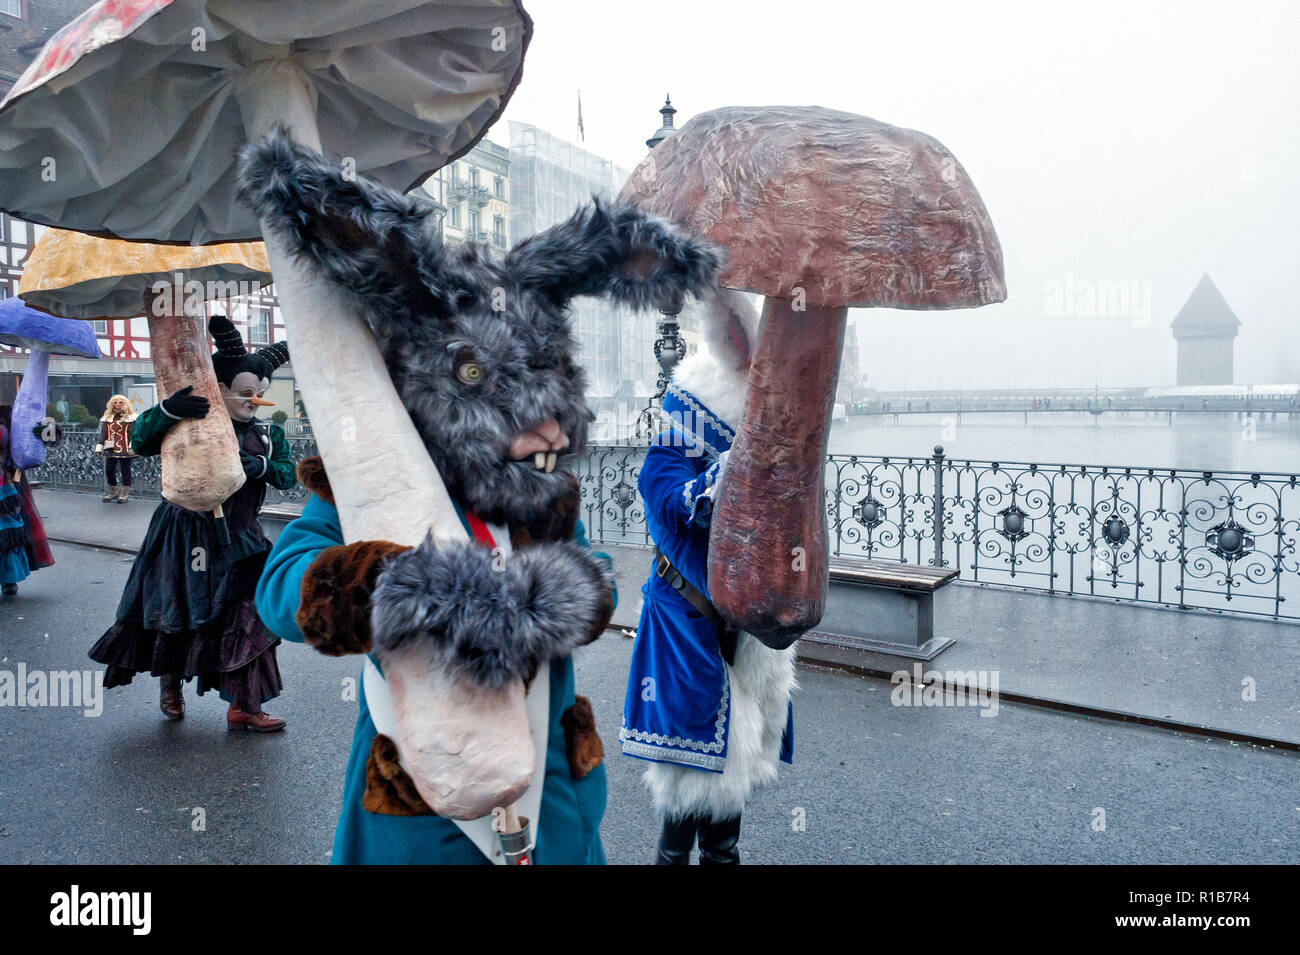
(474, 192)
(1205, 330)
(25, 26)
(550, 179)
(850, 385)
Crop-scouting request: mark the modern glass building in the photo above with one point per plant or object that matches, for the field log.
(550, 179)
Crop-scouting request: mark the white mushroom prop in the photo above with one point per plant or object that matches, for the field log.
(398, 88)
(73, 275)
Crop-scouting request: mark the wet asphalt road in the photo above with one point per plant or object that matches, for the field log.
(872, 782)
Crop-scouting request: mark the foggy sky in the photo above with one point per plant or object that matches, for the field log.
(1137, 143)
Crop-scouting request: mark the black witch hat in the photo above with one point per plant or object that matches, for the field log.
(231, 357)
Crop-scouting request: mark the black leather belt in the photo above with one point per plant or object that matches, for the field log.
(727, 635)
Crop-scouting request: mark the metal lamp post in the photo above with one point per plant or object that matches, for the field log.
(670, 347)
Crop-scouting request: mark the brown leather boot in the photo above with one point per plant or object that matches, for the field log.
(123, 491)
(259, 722)
(170, 700)
(110, 492)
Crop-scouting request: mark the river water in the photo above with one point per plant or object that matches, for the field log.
(1195, 441)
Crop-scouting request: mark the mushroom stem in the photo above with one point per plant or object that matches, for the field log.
(767, 546)
(200, 456)
(466, 749)
(361, 426)
(27, 450)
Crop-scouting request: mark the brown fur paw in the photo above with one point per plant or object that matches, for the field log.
(334, 600)
(311, 474)
(389, 791)
(581, 741)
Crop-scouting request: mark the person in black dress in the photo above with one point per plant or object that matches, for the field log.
(187, 611)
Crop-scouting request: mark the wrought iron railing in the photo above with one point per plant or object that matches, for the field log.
(612, 509)
(1215, 540)
(74, 465)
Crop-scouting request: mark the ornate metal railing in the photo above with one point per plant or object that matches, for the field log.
(612, 509)
(1214, 540)
(74, 465)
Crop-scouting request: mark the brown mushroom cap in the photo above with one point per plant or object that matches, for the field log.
(853, 211)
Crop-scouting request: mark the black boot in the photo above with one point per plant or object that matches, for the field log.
(676, 841)
(719, 841)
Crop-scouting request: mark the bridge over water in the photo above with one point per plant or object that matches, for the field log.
(1220, 399)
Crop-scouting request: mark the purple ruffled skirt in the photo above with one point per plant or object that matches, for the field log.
(198, 624)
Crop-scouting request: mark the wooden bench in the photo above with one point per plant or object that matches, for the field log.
(878, 606)
(280, 512)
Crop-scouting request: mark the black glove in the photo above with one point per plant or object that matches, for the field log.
(254, 464)
(186, 405)
(38, 430)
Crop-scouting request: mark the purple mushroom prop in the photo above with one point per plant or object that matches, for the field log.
(45, 335)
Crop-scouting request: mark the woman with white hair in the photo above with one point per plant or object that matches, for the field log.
(115, 426)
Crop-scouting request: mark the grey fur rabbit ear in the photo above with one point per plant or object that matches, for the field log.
(366, 238)
(616, 250)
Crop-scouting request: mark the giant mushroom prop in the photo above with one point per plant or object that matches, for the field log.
(396, 89)
(821, 211)
(24, 327)
(73, 275)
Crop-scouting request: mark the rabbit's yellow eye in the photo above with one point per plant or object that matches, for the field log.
(470, 372)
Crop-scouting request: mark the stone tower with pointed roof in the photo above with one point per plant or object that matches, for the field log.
(1204, 329)
(666, 128)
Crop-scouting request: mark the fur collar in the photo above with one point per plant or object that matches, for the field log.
(719, 386)
(556, 525)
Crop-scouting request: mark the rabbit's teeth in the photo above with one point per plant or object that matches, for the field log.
(550, 462)
(539, 460)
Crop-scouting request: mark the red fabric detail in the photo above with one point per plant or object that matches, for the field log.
(116, 18)
(480, 531)
(38, 547)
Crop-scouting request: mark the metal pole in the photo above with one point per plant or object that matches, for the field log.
(938, 505)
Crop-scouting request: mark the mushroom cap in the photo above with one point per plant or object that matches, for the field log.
(25, 327)
(73, 275)
(121, 127)
(851, 210)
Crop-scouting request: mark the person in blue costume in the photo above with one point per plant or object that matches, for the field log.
(709, 708)
(481, 354)
(23, 544)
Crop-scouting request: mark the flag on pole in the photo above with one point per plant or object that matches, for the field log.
(581, 131)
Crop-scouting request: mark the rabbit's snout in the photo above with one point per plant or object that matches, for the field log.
(542, 444)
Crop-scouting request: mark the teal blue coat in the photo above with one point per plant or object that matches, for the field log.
(571, 808)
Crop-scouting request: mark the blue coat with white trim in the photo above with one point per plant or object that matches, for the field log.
(677, 709)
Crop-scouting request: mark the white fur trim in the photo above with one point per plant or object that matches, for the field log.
(721, 389)
(762, 682)
(713, 374)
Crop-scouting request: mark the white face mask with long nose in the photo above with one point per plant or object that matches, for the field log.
(244, 396)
